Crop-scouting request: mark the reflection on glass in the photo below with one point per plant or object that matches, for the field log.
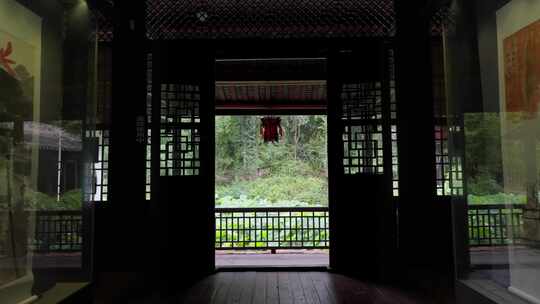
(519, 63)
(497, 96)
(45, 108)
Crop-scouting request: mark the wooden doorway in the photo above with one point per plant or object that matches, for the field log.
(357, 89)
(270, 233)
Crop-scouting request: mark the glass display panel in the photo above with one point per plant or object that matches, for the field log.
(492, 65)
(47, 112)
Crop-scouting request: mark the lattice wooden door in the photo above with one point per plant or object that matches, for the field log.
(360, 149)
(183, 167)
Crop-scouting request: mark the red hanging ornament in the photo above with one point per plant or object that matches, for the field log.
(271, 130)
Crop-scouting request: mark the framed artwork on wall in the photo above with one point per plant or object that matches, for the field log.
(518, 35)
(522, 69)
(518, 39)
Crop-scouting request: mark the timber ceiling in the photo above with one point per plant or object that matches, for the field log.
(225, 19)
(277, 83)
(308, 94)
(218, 19)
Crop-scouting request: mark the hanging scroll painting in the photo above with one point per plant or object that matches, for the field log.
(522, 69)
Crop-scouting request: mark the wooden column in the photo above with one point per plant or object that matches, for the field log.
(122, 223)
(425, 239)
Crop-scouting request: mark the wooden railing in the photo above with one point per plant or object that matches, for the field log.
(55, 231)
(272, 228)
(58, 231)
(494, 225)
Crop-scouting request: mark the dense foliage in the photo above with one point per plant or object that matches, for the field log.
(484, 172)
(483, 154)
(292, 172)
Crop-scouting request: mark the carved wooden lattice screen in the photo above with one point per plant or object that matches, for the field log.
(215, 19)
(449, 163)
(182, 158)
(148, 162)
(362, 124)
(98, 136)
(100, 166)
(363, 98)
(170, 19)
(180, 130)
(393, 121)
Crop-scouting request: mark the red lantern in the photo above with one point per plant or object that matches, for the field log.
(271, 130)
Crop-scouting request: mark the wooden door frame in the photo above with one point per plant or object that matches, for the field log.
(281, 49)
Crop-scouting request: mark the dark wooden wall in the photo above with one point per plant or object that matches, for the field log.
(124, 253)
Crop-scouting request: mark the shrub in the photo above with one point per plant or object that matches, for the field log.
(484, 185)
(498, 198)
(274, 191)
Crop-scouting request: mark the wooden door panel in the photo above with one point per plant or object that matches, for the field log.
(360, 159)
(183, 169)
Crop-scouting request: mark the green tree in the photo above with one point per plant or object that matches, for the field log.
(483, 153)
(249, 170)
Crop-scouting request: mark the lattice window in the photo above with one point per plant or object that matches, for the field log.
(456, 176)
(179, 135)
(456, 163)
(363, 149)
(361, 101)
(393, 118)
(148, 166)
(395, 162)
(449, 168)
(362, 137)
(179, 151)
(180, 103)
(392, 83)
(100, 168)
(442, 161)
